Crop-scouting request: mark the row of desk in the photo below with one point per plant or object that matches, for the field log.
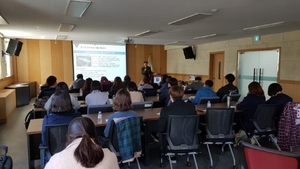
(150, 118)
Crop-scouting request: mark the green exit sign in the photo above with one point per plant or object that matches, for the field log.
(256, 38)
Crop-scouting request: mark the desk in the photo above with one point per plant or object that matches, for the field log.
(22, 93)
(35, 127)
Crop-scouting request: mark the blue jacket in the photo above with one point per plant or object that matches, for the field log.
(203, 92)
(58, 118)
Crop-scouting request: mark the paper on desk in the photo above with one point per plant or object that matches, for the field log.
(158, 113)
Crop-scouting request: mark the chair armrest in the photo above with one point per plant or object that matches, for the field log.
(42, 155)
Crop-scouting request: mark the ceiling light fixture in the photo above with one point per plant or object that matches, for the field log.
(76, 8)
(146, 33)
(190, 18)
(3, 21)
(175, 42)
(66, 27)
(205, 36)
(61, 37)
(264, 26)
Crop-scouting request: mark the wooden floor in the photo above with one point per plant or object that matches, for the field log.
(13, 135)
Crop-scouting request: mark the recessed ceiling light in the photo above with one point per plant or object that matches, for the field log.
(205, 36)
(3, 21)
(190, 18)
(264, 26)
(146, 33)
(61, 37)
(76, 8)
(66, 27)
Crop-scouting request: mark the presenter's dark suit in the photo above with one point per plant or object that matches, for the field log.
(146, 71)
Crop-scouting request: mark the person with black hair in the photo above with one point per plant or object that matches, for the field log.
(51, 83)
(164, 96)
(96, 97)
(63, 86)
(86, 89)
(126, 80)
(205, 91)
(146, 70)
(82, 150)
(78, 83)
(136, 96)
(195, 85)
(229, 87)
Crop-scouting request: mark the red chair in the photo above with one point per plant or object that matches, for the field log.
(261, 158)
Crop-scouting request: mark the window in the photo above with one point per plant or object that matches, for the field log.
(6, 61)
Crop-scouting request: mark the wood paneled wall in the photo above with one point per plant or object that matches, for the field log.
(42, 58)
(137, 54)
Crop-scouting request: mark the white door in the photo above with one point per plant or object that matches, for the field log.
(260, 66)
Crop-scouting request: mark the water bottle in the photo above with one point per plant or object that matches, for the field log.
(228, 101)
(99, 117)
(208, 104)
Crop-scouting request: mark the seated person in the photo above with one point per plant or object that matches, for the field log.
(118, 84)
(164, 96)
(86, 89)
(250, 103)
(105, 84)
(204, 92)
(96, 97)
(61, 112)
(177, 107)
(127, 79)
(145, 84)
(228, 88)
(82, 149)
(63, 86)
(51, 81)
(136, 96)
(277, 97)
(78, 83)
(195, 85)
(122, 106)
(164, 86)
(163, 80)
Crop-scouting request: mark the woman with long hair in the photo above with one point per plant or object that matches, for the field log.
(118, 84)
(82, 150)
(86, 89)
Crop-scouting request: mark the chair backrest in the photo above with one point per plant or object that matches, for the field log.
(233, 98)
(183, 136)
(49, 93)
(142, 105)
(272, 158)
(219, 122)
(106, 87)
(94, 109)
(56, 137)
(263, 119)
(125, 133)
(74, 91)
(150, 92)
(204, 100)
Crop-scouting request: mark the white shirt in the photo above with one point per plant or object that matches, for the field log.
(136, 96)
(74, 101)
(97, 97)
(66, 160)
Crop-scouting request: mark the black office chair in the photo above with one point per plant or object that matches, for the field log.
(150, 92)
(94, 109)
(263, 121)
(56, 137)
(233, 98)
(105, 88)
(204, 100)
(142, 105)
(218, 127)
(126, 133)
(261, 158)
(181, 138)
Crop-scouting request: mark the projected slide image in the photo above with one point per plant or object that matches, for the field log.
(83, 61)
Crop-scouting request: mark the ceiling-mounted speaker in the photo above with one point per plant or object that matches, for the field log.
(14, 47)
(128, 41)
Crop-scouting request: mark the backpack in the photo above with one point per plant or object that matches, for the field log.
(29, 116)
(40, 103)
(5, 161)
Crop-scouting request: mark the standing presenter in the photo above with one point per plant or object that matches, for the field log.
(146, 70)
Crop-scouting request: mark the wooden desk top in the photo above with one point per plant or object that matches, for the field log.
(35, 125)
(202, 107)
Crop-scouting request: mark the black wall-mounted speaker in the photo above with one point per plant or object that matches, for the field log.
(14, 47)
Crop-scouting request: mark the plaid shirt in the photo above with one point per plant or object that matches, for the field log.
(289, 126)
(129, 137)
